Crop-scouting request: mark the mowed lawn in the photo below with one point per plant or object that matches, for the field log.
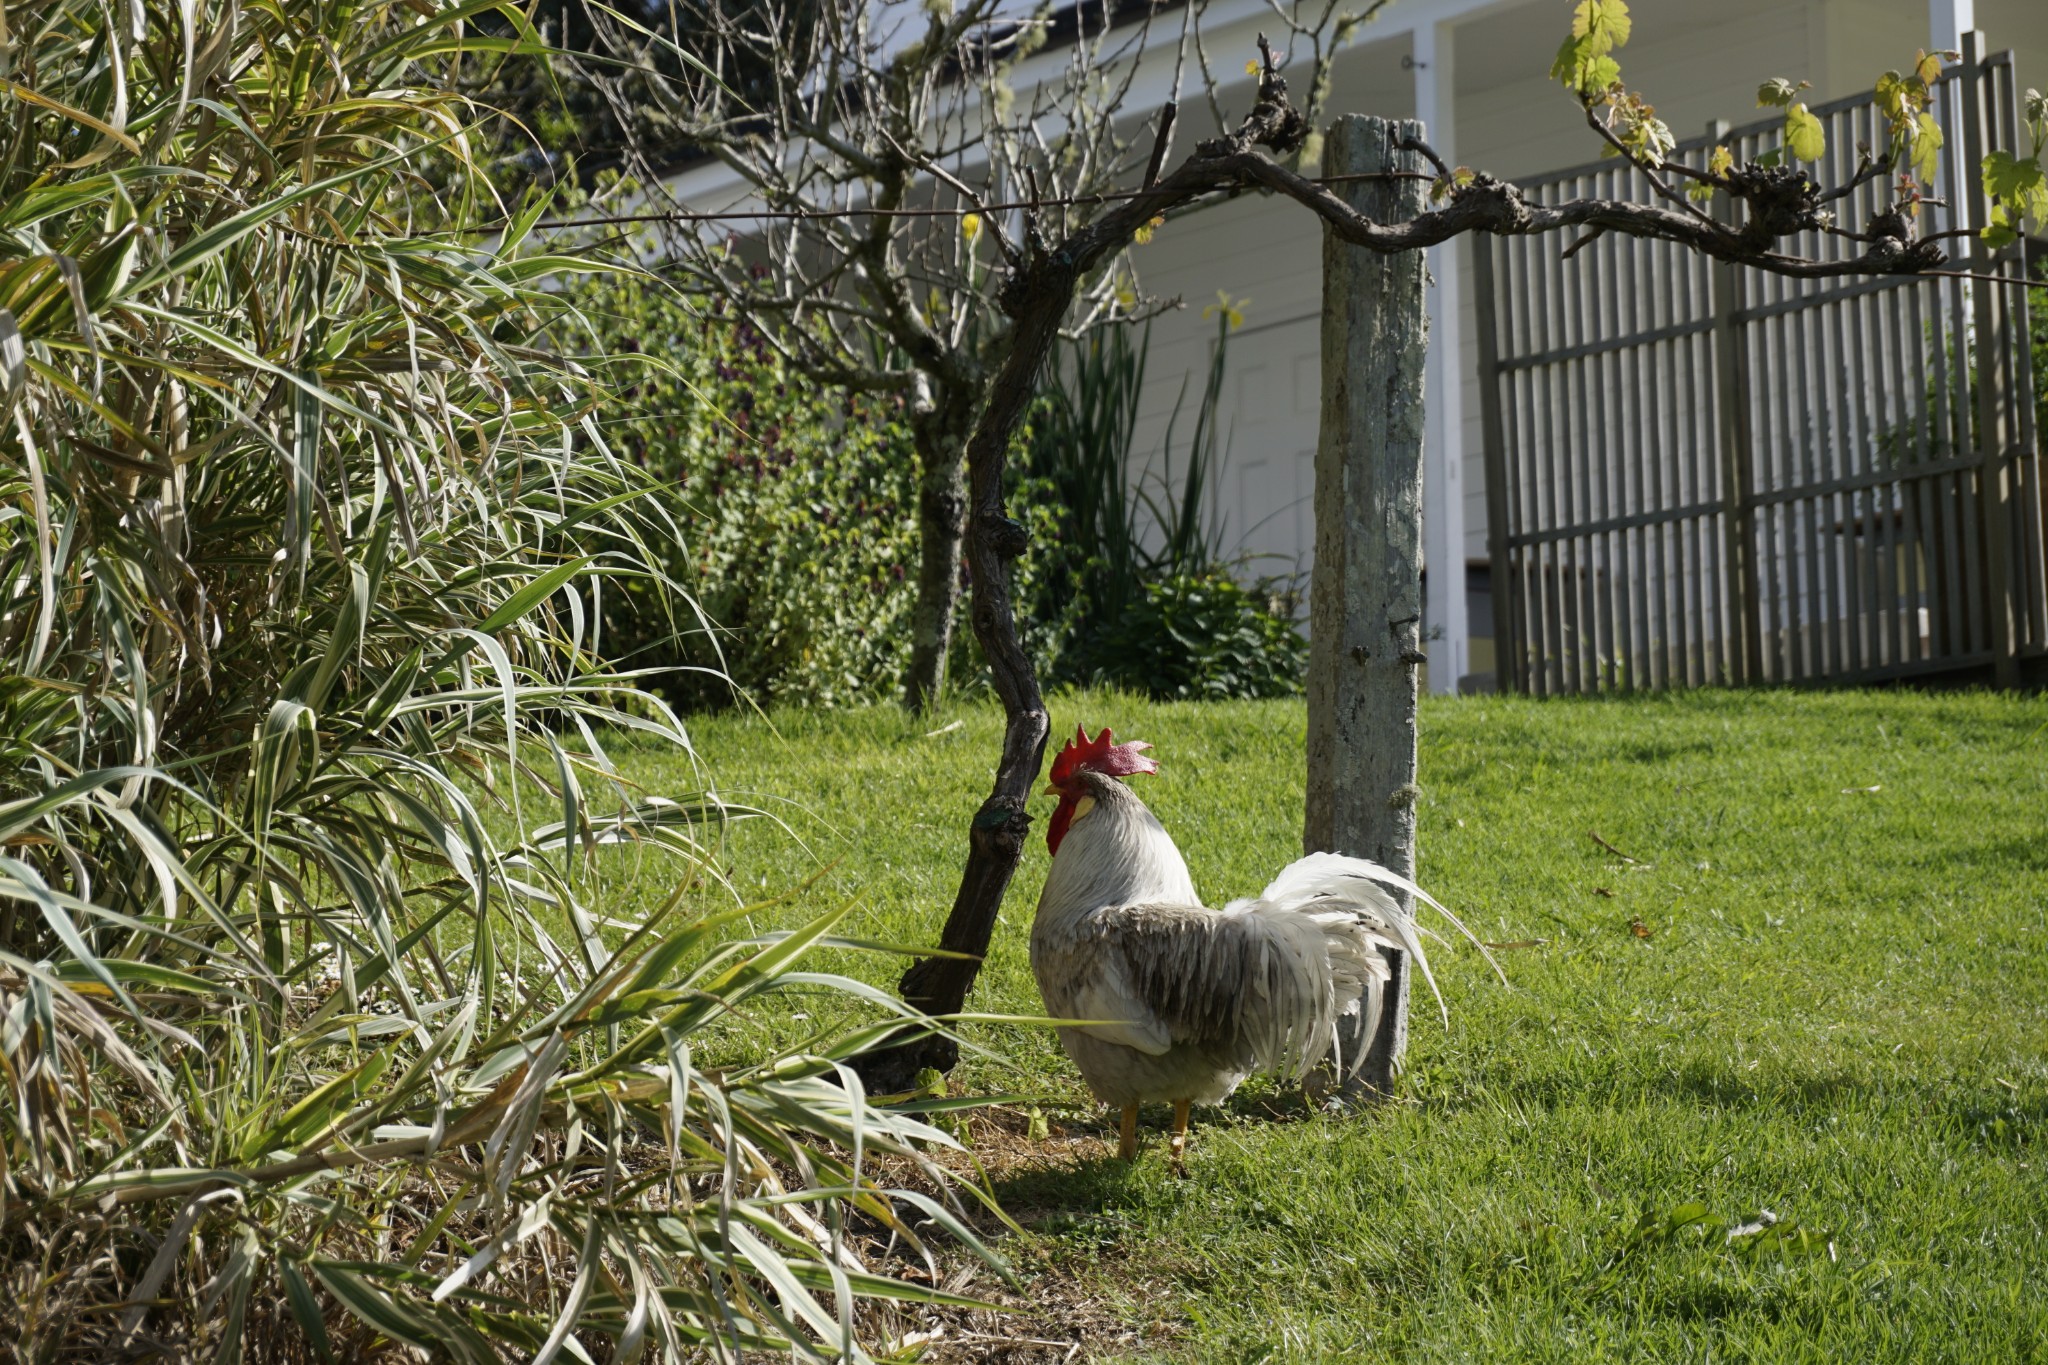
(1816, 985)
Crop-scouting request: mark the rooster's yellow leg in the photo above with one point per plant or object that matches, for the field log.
(1180, 1130)
(1127, 1134)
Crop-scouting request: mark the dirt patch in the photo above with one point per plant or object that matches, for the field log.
(1051, 1318)
(1063, 1307)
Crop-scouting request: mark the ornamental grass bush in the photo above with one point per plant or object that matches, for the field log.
(317, 1040)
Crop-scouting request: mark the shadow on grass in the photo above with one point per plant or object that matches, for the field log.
(2020, 853)
(1080, 1189)
(1085, 1186)
(1088, 1197)
(1693, 1083)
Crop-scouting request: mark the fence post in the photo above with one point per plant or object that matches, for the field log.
(1744, 644)
(1365, 597)
(1991, 321)
(1501, 584)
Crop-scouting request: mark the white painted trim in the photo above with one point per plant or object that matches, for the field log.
(1948, 21)
(1443, 484)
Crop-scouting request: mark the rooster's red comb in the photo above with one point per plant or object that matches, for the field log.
(1098, 754)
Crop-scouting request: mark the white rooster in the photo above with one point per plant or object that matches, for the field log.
(1184, 1002)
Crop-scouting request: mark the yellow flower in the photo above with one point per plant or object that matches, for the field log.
(1251, 68)
(1144, 234)
(1231, 309)
(970, 225)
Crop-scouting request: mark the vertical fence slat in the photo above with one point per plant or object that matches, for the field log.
(1731, 396)
(1604, 319)
(1699, 381)
(1525, 492)
(1936, 582)
(1549, 381)
(1493, 442)
(1903, 416)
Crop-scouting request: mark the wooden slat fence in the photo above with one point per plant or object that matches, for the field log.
(1699, 474)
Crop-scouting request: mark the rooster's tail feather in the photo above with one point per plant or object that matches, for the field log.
(1349, 898)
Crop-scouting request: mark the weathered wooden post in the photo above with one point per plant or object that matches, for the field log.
(1365, 600)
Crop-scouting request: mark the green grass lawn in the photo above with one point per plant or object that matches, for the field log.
(1821, 989)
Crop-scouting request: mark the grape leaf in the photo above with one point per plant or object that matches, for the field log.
(1926, 148)
(1890, 88)
(1999, 231)
(1805, 139)
(1582, 70)
(2008, 177)
(1604, 23)
(1650, 139)
(2020, 187)
(1777, 92)
(1583, 65)
(1444, 186)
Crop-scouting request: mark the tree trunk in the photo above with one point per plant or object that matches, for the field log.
(1365, 598)
(941, 439)
(995, 837)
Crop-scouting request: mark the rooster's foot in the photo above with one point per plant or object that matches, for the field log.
(1178, 1146)
(1127, 1134)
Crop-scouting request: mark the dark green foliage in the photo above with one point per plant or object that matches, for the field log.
(609, 91)
(799, 533)
(1131, 587)
(1076, 462)
(1196, 636)
(799, 537)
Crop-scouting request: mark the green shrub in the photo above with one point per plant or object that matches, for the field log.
(1129, 585)
(798, 534)
(1196, 637)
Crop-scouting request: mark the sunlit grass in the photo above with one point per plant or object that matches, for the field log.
(1836, 1010)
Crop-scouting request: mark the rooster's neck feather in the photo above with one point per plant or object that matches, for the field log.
(1117, 854)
